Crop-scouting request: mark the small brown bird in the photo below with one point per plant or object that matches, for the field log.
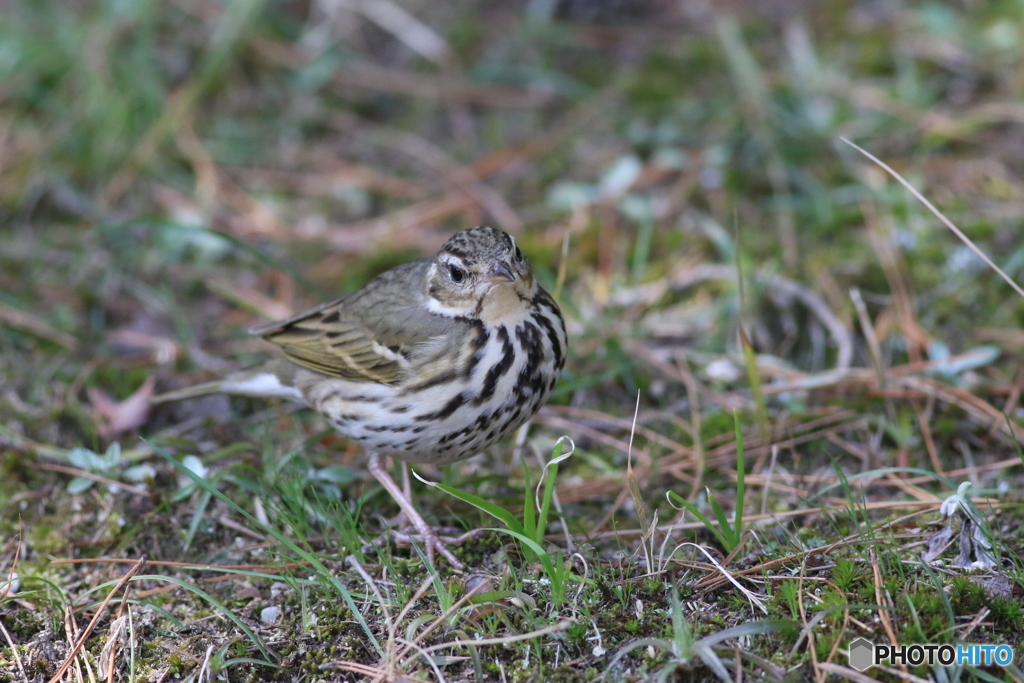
(430, 362)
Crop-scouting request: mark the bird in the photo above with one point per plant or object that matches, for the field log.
(429, 362)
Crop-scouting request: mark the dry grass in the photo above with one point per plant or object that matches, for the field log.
(170, 173)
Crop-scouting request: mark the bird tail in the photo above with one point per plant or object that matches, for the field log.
(271, 380)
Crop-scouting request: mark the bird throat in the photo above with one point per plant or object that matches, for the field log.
(504, 304)
(501, 304)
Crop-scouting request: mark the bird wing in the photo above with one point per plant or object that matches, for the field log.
(364, 336)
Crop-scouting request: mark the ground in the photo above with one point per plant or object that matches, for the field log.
(792, 396)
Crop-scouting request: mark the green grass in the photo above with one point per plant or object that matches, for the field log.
(729, 534)
(171, 174)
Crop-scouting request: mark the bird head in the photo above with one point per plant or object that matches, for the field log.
(477, 268)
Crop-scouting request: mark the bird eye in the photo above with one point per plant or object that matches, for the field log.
(519, 254)
(456, 274)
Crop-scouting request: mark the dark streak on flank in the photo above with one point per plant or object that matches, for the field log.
(544, 300)
(478, 346)
(468, 430)
(499, 369)
(443, 378)
(357, 398)
(454, 404)
(528, 335)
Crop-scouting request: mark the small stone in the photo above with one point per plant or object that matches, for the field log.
(9, 586)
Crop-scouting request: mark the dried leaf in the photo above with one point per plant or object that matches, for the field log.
(161, 349)
(938, 543)
(117, 417)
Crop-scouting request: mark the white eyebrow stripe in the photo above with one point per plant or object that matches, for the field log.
(452, 259)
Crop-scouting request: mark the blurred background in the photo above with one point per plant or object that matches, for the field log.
(173, 172)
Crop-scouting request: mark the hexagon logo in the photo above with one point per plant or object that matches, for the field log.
(862, 654)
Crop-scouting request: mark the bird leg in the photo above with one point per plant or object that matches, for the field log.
(432, 542)
(401, 520)
(406, 481)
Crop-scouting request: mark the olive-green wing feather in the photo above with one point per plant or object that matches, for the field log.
(354, 337)
(337, 348)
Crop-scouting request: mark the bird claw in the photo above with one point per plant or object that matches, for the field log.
(433, 543)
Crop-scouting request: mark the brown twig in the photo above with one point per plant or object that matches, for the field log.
(883, 601)
(96, 617)
(30, 323)
(95, 477)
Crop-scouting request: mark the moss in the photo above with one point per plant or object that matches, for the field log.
(966, 596)
(729, 132)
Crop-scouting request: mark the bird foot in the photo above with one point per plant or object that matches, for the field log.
(433, 543)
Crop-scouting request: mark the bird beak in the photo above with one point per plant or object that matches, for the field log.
(500, 272)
